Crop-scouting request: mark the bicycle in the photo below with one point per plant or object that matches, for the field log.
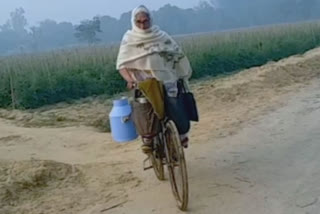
(167, 150)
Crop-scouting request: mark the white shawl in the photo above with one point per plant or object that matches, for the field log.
(151, 49)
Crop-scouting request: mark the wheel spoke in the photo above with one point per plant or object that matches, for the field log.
(156, 160)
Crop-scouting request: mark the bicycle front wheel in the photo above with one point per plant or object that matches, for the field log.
(176, 166)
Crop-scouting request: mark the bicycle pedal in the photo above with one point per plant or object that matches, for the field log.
(147, 168)
(144, 164)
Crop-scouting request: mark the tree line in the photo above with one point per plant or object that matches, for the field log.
(16, 36)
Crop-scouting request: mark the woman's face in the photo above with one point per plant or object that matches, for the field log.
(143, 21)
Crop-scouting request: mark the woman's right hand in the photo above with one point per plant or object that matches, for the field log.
(130, 81)
(130, 85)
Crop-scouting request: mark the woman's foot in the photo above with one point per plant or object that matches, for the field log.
(147, 145)
(185, 142)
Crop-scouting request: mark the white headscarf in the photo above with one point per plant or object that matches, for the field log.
(134, 13)
(150, 49)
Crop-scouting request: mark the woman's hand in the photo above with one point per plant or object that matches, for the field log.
(125, 75)
(130, 85)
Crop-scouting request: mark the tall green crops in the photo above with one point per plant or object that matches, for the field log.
(34, 80)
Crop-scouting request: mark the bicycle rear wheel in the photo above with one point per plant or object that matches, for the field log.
(176, 166)
(156, 159)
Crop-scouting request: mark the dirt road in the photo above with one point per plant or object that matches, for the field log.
(254, 151)
(271, 166)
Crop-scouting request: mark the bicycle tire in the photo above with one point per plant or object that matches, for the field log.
(157, 165)
(176, 163)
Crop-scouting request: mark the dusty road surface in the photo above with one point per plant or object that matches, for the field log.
(256, 150)
(271, 166)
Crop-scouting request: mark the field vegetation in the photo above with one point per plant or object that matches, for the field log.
(34, 80)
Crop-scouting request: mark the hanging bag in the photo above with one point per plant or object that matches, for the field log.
(188, 101)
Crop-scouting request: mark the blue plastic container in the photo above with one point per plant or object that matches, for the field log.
(122, 126)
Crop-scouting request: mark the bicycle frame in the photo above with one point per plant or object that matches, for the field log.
(159, 145)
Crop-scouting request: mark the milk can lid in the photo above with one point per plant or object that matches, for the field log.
(122, 102)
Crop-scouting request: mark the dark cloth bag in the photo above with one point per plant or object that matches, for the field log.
(176, 112)
(188, 101)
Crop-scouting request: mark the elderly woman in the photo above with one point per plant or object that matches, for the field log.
(146, 52)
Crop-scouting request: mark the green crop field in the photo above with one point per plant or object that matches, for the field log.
(33, 80)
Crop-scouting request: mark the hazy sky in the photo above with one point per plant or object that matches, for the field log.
(76, 10)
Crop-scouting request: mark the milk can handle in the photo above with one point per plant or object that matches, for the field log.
(126, 119)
